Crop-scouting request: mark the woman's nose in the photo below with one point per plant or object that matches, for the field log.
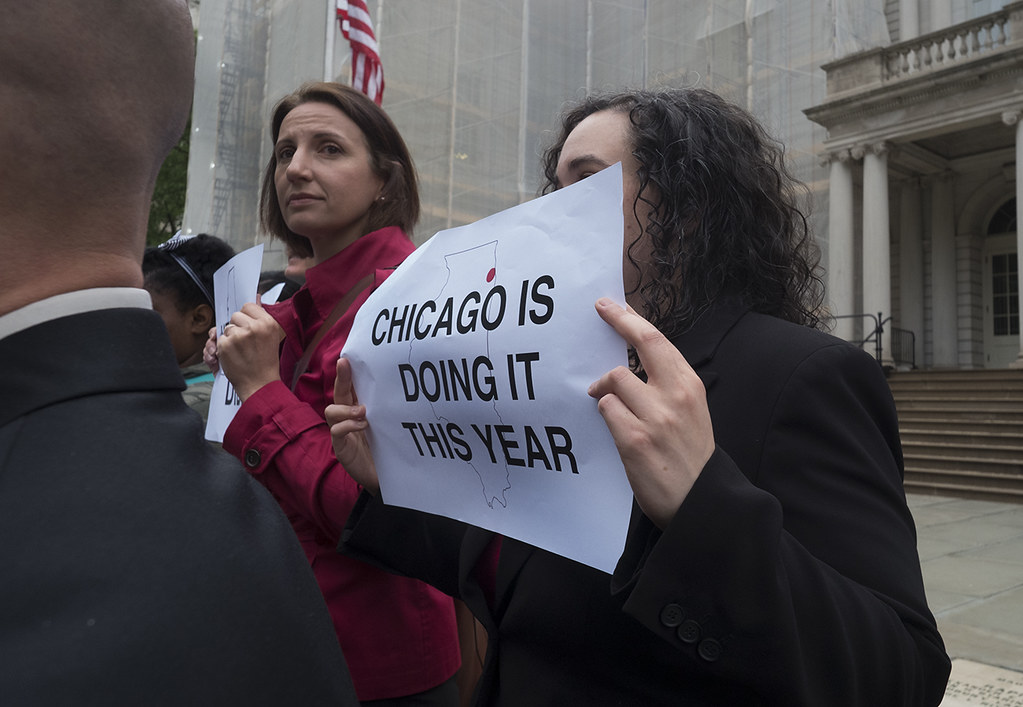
(298, 166)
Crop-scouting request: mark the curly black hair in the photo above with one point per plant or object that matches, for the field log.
(204, 254)
(721, 204)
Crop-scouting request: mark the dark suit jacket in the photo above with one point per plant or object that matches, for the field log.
(138, 565)
(789, 575)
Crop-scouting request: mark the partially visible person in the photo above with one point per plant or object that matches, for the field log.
(771, 558)
(179, 278)
(269, 279)
(139, 565)
(297, 264)
(341, 188)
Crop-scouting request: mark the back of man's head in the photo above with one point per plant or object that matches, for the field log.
(94, 96)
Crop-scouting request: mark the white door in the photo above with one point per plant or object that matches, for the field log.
(1001, 301)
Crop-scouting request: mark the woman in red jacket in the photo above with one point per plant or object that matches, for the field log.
(340, 187)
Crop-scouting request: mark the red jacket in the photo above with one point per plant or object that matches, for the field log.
(398, 634)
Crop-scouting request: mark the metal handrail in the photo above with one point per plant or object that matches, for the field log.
(899, 336)
(903, 352)
(875, 334)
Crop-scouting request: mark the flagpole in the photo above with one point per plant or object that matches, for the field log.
(523, 102)
(376, 28)
(328, 51)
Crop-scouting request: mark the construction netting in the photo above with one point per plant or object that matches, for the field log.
(476, 86)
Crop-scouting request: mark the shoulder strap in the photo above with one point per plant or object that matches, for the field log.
(339, 309)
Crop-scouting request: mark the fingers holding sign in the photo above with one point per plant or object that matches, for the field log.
(248, 350)
(347, 420)
(209, 352)
(661, 427)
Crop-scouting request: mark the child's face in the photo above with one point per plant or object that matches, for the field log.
(181, 326)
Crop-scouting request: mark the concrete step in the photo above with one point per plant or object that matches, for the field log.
(967, 456)
(981, 382)
(958, 488)
(973, 453)
(966, 463)
(978, 387)
(933, 375)
(965, 397)
(986, 410)
(970, 435)
(1010, 487)
(962, 431)
(928, 419)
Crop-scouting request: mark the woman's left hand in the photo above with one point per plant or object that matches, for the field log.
(348, 425)
(249, 350)
(662, 427)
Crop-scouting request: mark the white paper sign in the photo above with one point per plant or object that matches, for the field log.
(234, 284)
(271, 295)
(473, 360)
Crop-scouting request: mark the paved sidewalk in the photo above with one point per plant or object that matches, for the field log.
(972, 558)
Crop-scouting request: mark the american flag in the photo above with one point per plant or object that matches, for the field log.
(356, 26)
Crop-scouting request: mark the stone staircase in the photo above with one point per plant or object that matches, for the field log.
(962, 431)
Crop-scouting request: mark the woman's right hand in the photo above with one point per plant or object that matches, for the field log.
(347, 420)
(248, 349)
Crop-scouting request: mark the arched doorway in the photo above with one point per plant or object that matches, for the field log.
(1001, 289)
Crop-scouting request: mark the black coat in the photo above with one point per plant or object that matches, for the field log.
(138, 565)
(789, 576)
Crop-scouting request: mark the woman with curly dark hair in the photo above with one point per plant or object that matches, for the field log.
(720, 208)
(771, 557)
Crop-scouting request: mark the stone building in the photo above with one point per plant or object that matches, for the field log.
(901, 116)
(923, 149)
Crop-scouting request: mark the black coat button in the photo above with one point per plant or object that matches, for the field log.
(252, 458)
(709, 650)
(689, 631)
(672, 615)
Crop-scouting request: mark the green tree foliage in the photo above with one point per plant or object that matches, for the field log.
(168, 206)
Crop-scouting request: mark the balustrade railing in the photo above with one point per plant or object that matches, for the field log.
(948, 46)
(973, 40)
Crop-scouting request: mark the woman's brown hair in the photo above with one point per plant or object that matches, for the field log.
(391, 161)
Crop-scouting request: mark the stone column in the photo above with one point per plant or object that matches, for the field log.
(877, 275)
(909, 19)
(944, 305)
(841, 256)
(941, 14)
(911, 266)
(1013, 118)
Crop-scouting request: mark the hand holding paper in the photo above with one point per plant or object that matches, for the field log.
(473, 360)
(662, 427)
(347, 420)
(234, 284)
(209, 352)
(248, 349)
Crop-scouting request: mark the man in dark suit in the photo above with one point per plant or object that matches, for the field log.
(771, 558)
(139, 566)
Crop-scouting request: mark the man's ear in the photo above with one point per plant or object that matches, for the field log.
(202, 319)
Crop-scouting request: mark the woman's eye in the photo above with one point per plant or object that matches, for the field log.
(285, 153)
(332, 149)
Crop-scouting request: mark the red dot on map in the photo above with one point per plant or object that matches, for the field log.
(490, 275)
